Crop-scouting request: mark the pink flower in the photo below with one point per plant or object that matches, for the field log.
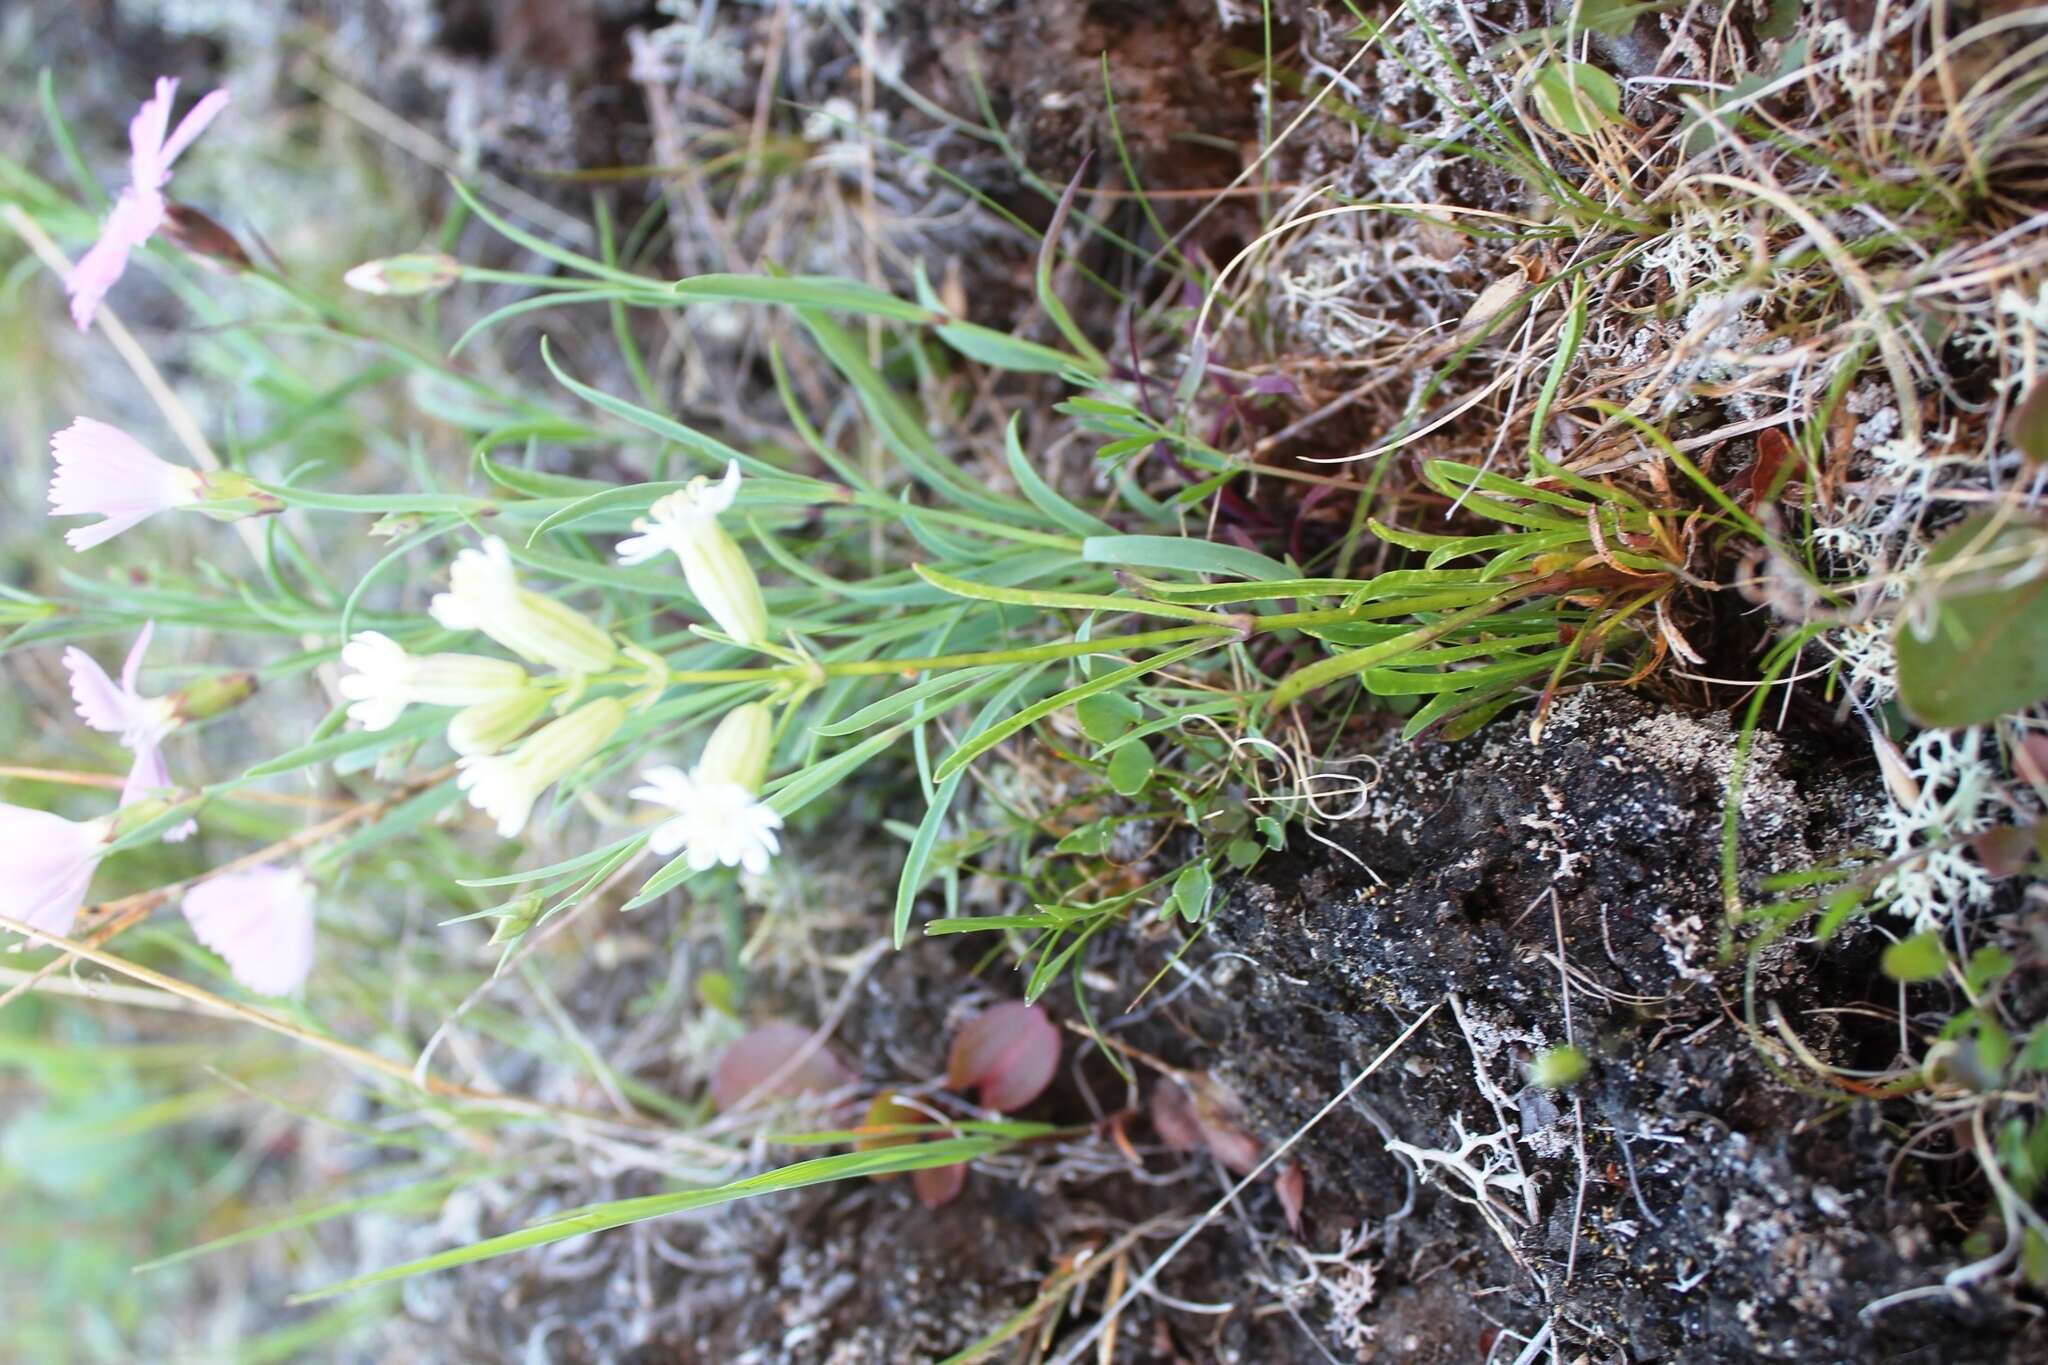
(261, 921)
(103, 471)
(46, 862)
(141, 722)
(152, 147)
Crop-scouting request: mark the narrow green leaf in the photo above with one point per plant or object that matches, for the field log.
(1041, 494)
(1179, 552)
(968, 750)
(1072, 601)
(620, 1213)
(917, 862)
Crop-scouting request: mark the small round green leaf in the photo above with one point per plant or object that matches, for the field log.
(1105, 716)
(1130, 768)
(1982, 651)
(1557, 1068)
(1919, 958)
(1191, 892)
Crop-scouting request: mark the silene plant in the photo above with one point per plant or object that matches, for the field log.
(519, 721)
(594, 655)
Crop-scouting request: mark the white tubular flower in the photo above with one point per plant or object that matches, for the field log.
(484, 594)
(261, 921)
(46, 863)
(716, 569)
(718, 820)
(505, 786)
(490, 726)
(383, 679)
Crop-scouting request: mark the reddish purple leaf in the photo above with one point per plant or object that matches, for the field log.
(1173, 1117)
(1009, 1053)
(1204, 1114)
(937, 1186)
(1216, 1113)
(2030, 759)
(776, 1061)
(2005, 850)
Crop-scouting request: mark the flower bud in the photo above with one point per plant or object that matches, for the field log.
(201, 237)
(209, 697)
(739, 747)
(491, 726)
(512, 919)
(416, 272)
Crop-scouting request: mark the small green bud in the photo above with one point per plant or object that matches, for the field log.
(210, 696)
(515, 917)
(1558, 1068)
(738, 749)
(414, 273)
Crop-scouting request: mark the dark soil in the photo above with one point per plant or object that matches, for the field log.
(1726, 1214)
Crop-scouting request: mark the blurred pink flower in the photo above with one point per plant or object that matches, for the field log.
(261, 921)
(152, 147)
(141, 722)
(46, 862)
(103, 471)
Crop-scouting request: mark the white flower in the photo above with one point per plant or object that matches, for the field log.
(103, 471)
(715, 823)
(141, 722)
(714, 566)
(385, 679)
(505, 786)
(718, 819)
(261, 921)
(484, 594)
(46, 863)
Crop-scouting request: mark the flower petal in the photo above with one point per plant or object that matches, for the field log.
(261, 921)
(100, 704)
(131, 668)
(190, 127)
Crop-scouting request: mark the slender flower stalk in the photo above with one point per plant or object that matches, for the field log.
(714, 566)
(139, 211)
(261, 921)
(505, 786)
(718, 819)
(484, 594)
(383, 680)
(103, 471)
(141, 722)
(46, 863)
